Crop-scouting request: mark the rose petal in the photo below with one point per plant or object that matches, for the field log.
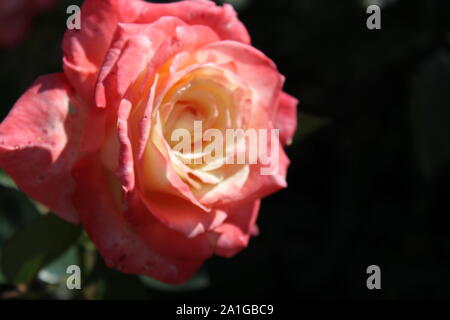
(223, 20)
(85, 49)
(151, 46)
(163, 239)
(132, 48)
(181, 215)
(254, 69)
(234, 233)
(39, 142)
(161, 176)
(138, 51)
(260, 185)
(286, 117)
(125, 170)
(98, 200)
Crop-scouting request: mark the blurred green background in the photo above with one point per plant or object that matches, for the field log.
(369, 181)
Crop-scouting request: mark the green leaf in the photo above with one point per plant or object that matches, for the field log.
(6, 181)
(431, 113)
(198, 282)
(308, 124)
(35, 246)
(55, 272)
(16, 211)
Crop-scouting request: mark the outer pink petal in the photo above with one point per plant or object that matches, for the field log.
(259, 185)
(182, 215)
(234, 233)
(141, 49)
(169, 242)
(125, 170)
(258, 72)
(85, 49)
(286, 117)
(132, 48)
(39, 143)
(102, 213)
(223, 20)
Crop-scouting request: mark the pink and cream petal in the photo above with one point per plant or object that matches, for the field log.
(286, 118)
(102, 213)
(233, 235)
(39, 143)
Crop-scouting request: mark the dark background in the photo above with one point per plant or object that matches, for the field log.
(370, 183)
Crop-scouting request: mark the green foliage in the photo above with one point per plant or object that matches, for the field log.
(35, 246)
(198, 282)
(16, 211)
(55, 272)
(6, 181)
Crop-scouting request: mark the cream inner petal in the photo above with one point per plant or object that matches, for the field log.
(217, 99)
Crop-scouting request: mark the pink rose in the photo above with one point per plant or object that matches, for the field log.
(16, 17)
(93, 143)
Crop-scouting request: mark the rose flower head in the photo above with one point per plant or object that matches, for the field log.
(161, 136)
